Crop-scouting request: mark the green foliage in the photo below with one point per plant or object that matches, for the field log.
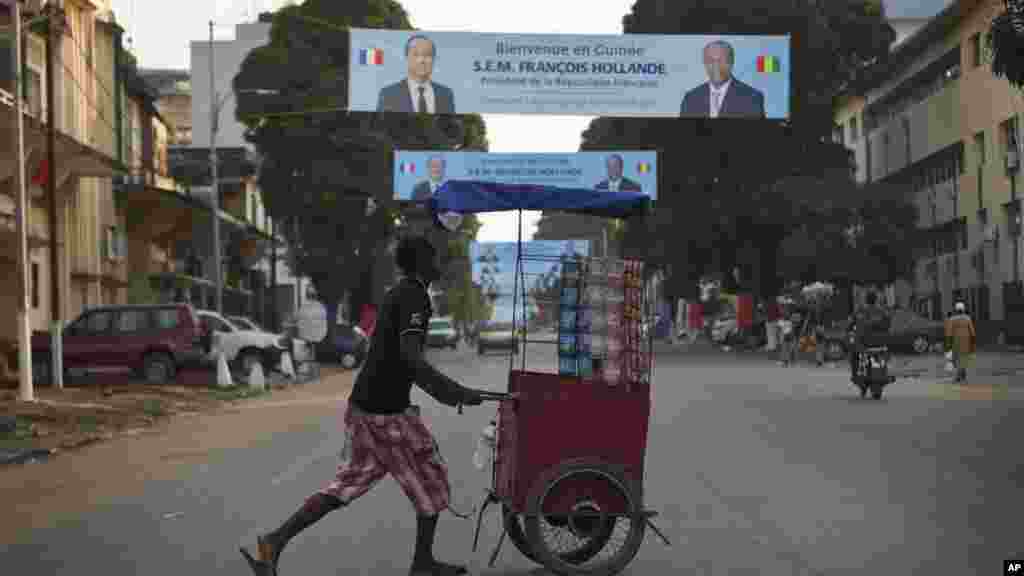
(868, 236)
(718, 206)
(1006, 46)
(140, 290)
(154, 408)
(321, 163)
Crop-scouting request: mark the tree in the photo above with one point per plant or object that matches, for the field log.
(1006, 43)
(717, 206)
(327, 170)
(869, 236)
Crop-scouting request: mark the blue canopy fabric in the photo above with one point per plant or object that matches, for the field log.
(473, 196)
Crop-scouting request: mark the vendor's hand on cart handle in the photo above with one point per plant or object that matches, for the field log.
(488, 396)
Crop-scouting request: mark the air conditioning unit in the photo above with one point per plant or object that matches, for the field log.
(1012, 160)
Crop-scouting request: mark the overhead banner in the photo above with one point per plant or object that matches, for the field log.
(493, 267)
(418, 173)
(696, 76)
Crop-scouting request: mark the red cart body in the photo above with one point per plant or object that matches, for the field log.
(558, 418)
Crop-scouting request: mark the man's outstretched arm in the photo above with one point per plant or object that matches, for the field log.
(442, 388)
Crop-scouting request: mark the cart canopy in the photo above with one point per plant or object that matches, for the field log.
(472, 196)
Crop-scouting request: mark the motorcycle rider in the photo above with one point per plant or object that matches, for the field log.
(870, 322)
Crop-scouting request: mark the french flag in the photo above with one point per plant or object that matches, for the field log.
(407, 168)
(371, 57)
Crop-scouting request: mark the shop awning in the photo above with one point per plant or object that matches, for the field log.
(72, 157)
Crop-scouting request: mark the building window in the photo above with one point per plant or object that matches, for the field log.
(854, 129)
(35, 285)
(1009, 135)
(976, 50)
(906, 137)
(34, 92)
(979, 148)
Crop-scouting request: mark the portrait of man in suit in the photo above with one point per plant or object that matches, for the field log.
(616, 182)
(426, 188)
(418, 93)
(723, 95)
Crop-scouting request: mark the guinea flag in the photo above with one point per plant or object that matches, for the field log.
(371, 57)
(768, 64)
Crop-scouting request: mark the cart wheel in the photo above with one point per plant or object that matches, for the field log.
(588, 547)
(593, 522)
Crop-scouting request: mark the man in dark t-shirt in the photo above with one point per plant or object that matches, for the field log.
(383, 430)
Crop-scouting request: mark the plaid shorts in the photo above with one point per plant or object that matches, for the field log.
(398, 444)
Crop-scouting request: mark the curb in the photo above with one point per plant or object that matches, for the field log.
(26, 456)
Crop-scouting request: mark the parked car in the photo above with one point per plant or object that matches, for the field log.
(153, 341)
(242, 348)
(350, 345)
(441, 333)
(300, 349)
(496, 337)
(908, 332)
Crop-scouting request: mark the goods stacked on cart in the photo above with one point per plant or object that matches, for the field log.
(600, 315)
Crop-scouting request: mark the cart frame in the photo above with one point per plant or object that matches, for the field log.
(535, 487)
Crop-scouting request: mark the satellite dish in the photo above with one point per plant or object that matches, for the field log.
(311, 322)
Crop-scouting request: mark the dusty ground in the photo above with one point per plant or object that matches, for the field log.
(62, 420)
(43, 493)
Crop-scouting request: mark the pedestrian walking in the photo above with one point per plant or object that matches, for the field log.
(788, 341)
(961, 340)
(819, 338)
(383, 430)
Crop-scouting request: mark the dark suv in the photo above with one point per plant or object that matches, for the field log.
(153, 341)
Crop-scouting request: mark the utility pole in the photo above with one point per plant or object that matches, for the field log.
(273, 275)
(218, 273)
(25, 391)
(54, 33)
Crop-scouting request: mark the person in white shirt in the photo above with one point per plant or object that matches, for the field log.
(418, 93)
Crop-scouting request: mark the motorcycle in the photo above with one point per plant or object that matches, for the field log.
(872, 374)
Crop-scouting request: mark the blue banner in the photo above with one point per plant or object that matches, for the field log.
(633, 75)
(493, 267)
(419, 174)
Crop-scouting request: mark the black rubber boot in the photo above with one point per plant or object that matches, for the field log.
(423, 562)
(270, 545)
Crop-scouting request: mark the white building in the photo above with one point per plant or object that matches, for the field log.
(228, 56)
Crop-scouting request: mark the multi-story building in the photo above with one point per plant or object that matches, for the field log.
(935, 122)
(126, 231)
(86, 158)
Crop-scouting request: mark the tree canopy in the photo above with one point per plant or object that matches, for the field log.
(718, 203)
(1006, 43)
(327, 171)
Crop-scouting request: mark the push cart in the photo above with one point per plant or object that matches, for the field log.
(568, 461)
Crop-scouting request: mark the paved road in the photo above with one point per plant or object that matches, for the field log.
(756, 469)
